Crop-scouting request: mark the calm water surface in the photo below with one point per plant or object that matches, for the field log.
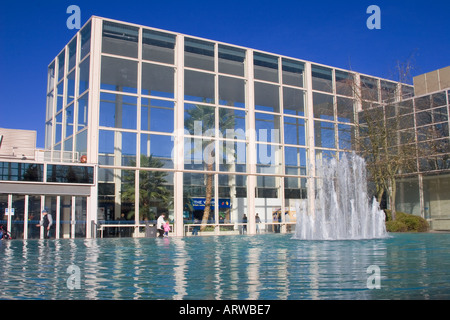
(270, 266)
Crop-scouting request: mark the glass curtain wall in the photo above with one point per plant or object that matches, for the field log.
(67, 99)
(138, 107)
(136, 126)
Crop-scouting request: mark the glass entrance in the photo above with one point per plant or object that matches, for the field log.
(20, 215)
(17, 218)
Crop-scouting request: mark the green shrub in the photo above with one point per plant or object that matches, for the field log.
(396, 226)
(405, 222)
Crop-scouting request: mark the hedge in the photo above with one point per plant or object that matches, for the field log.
(405, 222)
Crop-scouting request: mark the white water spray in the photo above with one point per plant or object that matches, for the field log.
(342, 208)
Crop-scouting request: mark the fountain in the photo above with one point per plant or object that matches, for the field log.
(342, 208)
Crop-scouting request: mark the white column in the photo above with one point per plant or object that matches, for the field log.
(10, 217)
(25, 218)
(72, 218)
(93, 120)
(58, 217)
(178, 153)
(251, 149)
(310, 140)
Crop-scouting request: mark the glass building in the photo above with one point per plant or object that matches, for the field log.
(200, 129)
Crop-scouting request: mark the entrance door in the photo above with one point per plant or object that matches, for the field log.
(18, 217)
(3, 209)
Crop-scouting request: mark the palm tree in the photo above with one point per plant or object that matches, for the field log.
(153, 190)
(205, 116)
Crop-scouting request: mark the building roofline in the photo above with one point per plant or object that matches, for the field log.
(227, 44)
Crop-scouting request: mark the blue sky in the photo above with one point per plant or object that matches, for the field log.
(329, 32)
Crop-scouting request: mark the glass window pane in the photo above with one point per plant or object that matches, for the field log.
(61, 63)
(293, 101)
(106, 147)
(295, 161)
(82, 112)
(267, 127)
(156, 151)
(438, 99)
(232, 92)
(58, 129)
(60, 96)
(70, 87)
(85, 41)
(346, 136)
(34, 213)
(369, 88)
(155, 194)
(120, 39)
(232, 123)
(231, 209)
(119, 75)
(295, 188)
(423, 103)
(127, 192)
(197, 187)
(198, 86)
(322, 78)
(81, 143)
(323, 106)
(14, 171)
(388, 91)
(72, 53)
(231, 60)
(267, 97)
(49, 110)
(118, 111)
(199, 120)
(407, 91)
(84, 76)
(48, 134)
(324, 154)
(324, 135)
(294, 131)
(268, 158)
(68, 146)
(232, 156)
(198, 153)
(265, 67)
(51, 77)
(157, 80)
(345, 110)
(126, 145)
(198, 54)
(158, 46)
(69, 120)
(344, 83)
(157, 115)
(293, 72)
(70, 174)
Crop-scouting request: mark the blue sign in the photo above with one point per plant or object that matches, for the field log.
(199, 203)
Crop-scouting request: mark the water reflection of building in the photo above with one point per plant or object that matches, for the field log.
(168, 118)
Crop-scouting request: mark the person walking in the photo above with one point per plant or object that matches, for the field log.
(257, 220)
(46, 222)
(160, 225)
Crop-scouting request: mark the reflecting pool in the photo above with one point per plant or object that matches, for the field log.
(269, 266)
